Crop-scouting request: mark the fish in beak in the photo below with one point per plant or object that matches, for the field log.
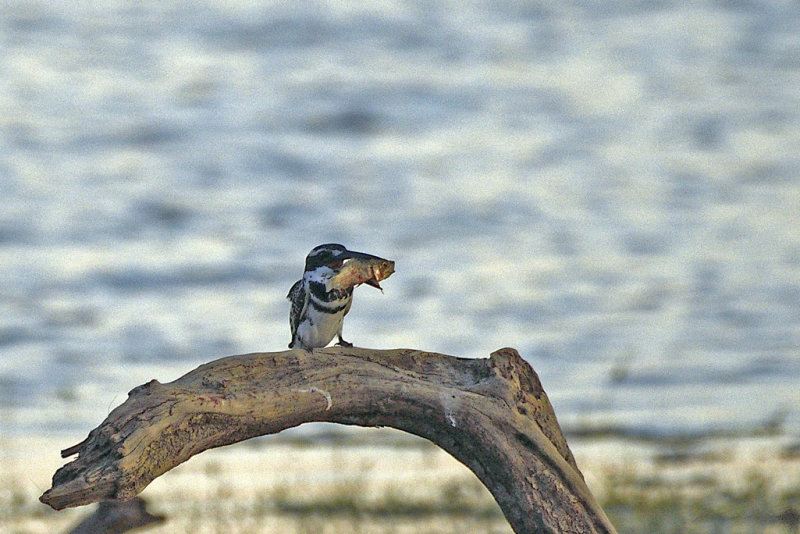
(360, 268)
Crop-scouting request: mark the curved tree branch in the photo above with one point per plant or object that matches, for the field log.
(491, 414)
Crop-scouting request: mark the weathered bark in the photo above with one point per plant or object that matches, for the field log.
(491, 414)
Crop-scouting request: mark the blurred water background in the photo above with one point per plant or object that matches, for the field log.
(609, 187)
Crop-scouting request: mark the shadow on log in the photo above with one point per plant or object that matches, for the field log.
(491, 414)
(116, 517)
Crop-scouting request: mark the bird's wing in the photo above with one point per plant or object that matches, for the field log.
(298, 296)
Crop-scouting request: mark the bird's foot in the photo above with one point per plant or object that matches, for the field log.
(343, 343)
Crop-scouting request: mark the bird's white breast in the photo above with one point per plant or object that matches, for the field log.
(319, 328)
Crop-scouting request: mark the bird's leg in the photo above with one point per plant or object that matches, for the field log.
(342, 342)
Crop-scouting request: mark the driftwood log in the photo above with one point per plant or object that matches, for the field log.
(491, 414)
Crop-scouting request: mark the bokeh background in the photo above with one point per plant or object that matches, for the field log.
(612, 188)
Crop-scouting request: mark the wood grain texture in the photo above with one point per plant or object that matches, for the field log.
(491, 414)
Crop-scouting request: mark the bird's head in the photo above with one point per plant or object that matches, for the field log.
(325, 262)
(330, 256)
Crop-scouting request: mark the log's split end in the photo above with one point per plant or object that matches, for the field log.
(491, 414)
(69, 451)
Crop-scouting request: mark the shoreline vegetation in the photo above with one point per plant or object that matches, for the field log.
(365, 481)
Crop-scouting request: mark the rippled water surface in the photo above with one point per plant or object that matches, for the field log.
(614, 190)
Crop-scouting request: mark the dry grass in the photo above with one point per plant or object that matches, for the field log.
(407, 486)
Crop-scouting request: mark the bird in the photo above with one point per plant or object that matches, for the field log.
(317, 309)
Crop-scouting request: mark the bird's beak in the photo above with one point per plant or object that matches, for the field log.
(352, 254)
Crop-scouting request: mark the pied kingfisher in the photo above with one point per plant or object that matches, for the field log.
(318, 309)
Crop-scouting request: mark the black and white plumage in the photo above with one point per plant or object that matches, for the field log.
(318, 309)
